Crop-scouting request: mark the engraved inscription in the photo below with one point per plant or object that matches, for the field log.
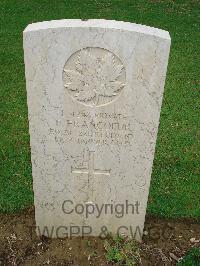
(100, 128)
(94, 76)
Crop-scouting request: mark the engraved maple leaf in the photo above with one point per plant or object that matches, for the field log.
(108, 74)
(94, 77)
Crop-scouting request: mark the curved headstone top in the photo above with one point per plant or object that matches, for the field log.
(97, 23)
(94, 92)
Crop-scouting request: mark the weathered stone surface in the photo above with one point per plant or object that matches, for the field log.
(94, 96)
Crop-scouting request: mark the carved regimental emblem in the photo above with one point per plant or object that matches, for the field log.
(94, 76)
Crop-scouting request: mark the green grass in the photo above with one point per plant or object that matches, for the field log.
(192, 258)
(121, 251)
(175, 187)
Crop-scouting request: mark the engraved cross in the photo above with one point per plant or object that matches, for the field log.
(90, 170)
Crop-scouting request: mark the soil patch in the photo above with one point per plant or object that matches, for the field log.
(164, 242)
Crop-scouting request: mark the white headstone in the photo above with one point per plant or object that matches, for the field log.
(94, 97)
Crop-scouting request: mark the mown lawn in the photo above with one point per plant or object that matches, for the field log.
(175, 187)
